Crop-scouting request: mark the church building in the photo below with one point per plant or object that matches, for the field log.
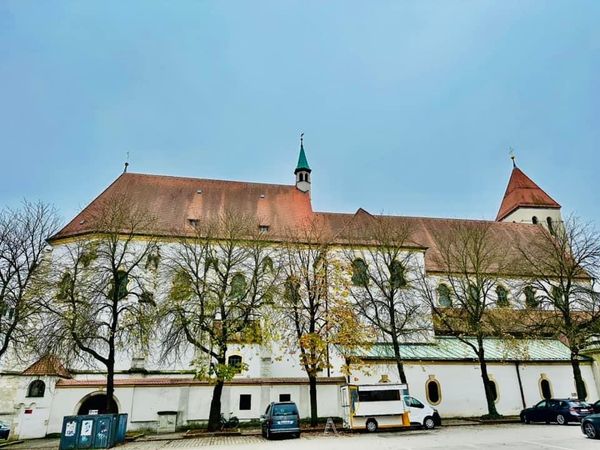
(441, 370)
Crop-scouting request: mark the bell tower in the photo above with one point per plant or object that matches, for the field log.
(303, 170)
(525, 202)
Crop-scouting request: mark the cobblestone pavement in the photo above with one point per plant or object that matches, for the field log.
(488, 437)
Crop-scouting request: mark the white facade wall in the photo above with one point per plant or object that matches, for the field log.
(525, 215)
(462, 393)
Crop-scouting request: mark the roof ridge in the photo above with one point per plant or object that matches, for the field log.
(207, 179)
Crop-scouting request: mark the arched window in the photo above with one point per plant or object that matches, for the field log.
(531, 300)
(267, 264)
(120, 285)
(473, 294)
(397, 278)
(534, 220)
(238, 285)
(444, 296)
(494, 390)
(501, 297)
(545, 388)
(557, 294)
(37, 388)
(235, 361)
(292, 290)
(433, 391)
(211, 263)
(550, 224)
(360, 276)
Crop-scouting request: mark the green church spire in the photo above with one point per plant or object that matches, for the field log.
(302, 161)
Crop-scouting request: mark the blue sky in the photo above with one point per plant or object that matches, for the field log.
(408, 107)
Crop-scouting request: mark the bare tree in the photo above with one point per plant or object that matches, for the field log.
(469, 262)
(221, 278)
(313, 307)
(103, 302)
(23, 234)
(383, 285)
(563, 265)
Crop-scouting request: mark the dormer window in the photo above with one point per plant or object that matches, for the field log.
(534, 220)
(263, 228)
(193, 222)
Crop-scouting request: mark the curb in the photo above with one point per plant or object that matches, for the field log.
(9, 443)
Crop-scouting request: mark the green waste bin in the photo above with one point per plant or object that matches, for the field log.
(90, 431)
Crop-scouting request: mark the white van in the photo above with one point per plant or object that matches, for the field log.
(374, 406)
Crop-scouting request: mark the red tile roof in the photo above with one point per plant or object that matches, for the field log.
(166, 382)
(174, 201)
(523, 192)
(48, 365)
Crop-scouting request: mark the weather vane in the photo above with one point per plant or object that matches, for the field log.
(512, 156)
(126, 163)
(301, 138)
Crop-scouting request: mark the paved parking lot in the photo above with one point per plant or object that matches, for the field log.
(488, 437)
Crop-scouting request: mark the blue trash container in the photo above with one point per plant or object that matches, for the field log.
(90, 431)
(121, 429)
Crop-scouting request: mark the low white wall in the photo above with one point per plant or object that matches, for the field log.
(193, 402)
(461, 385)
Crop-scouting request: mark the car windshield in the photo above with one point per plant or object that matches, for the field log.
(285, 410)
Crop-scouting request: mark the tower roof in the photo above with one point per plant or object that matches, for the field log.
(302, 161)
(523, 192)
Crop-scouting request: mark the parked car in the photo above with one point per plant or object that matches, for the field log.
(590, 426)
(281, 418)
(596, 407)
(4, 430)
(424, 416)
(561, 411)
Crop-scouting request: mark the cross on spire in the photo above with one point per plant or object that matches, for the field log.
(512, 156)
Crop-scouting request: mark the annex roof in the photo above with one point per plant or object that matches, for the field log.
(523, 192)
(447, 348)
(48, 365)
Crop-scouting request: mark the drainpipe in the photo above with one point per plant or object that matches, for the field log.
(520, 384)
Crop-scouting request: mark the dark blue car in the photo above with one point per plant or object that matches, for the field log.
(281, 418)
(561, 411)
(4, 430)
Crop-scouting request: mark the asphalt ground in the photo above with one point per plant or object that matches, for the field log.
(488, 437)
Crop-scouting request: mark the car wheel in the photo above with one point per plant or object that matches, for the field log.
(429, 423)
(371, 425)
(268, 435)
(524, 419)
(560, 419)
(590, 430)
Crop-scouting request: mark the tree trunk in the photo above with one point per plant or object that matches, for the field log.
(579, 384)
(110, 388)
(491, 404)
(399, 363)
(214, 418)
(312, 382)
